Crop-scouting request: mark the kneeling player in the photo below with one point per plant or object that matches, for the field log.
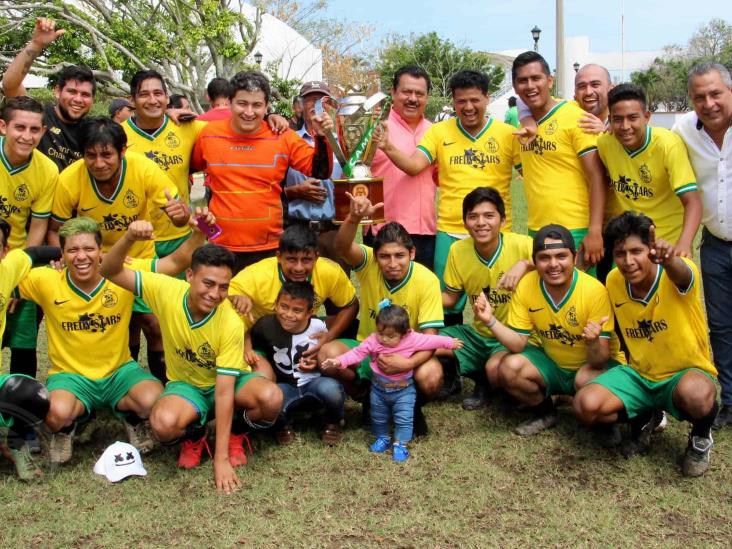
(657, 300)
(203, 339)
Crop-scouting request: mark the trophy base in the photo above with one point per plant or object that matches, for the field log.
(370, 187)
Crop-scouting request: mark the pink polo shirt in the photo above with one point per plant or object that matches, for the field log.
(410, 200)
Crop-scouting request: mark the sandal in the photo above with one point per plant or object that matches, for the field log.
(285, 436)
(332, 434)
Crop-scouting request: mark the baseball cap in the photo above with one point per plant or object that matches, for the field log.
(119, 461)
(553, 231)
(118, 104)
(315, 86)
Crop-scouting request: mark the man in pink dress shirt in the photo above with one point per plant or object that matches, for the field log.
(408, 199)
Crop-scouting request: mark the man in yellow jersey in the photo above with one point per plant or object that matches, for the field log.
(649, 169)
(204, 346)
(254, 290)
(27, 182)
(564, 178)
(570, 313)
(388, 271)
(469, 151)
(656, 296)
(489, 261)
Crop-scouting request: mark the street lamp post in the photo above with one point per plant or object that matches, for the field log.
(258, 59)
(535, 33)
(576, 67)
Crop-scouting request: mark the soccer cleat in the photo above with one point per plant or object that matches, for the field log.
(237, 453)
(639, 442)
(661, 427)
(535, 426)
(62, 447)
(191, 452)
(696, 458)
(608, 435)
(34, 445)
(140, 436)
(25, 467)
(478, 399)
(380, 445)
(399, 452)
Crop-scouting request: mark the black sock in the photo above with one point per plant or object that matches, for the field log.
(449, 370)
(640, 421)
(133, 419)
(156, 365)
(23, 361)
(135, 352)
(702, 427)
(17, 434)
(238, 425)
(68, 430)
(453, 319)
(544, 408)
(194, 431)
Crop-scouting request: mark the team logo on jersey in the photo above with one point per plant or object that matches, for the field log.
(645, 174)
(117, 222)
(491, 145)
(194, 357)
(164, 161)
(552, 127)
(21, 193)
(109, 298)
(55, 130)
(130, 200)
(556, 332)
(631, 189)
(646, 329)
(571, 317)
(539, 145)
(171, 140)
(476, 159)
(95, 323)
(3, 302)
(206, 352)
(7, 209)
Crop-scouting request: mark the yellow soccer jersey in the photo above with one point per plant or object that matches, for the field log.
(646, 180)
(140, 194)
(13, 268)
(87, 332)
(263, 281)
(195, 352)
(554, 180)
(170, 147)
(665, 331)
(468, 272)
(25, 191)
(419, 293)
(559, 326)
(466, 162)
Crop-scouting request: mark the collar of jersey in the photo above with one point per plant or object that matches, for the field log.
(189, 316)
(643, 147)
(393, 290)
(548, 115)
(645, 300)
(550, 301)
(480, 133)
(81, 293)
(149, 136)
(117, 189)
(489, 262)
(282, 275)
(6, 162)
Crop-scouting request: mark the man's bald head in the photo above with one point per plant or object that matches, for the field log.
(591, 84)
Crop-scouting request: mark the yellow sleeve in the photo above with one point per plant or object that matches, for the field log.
(429, 143)
(680, 173)
(430, 314)
(601, 308)
(43, 203)
(518, 314)
(230, 358)
(583, 143)
(30, 285)
(65, 200)
(516, 152)
(244, 283)
(19, 264)
(341, 292)
(156, 183)
(363, 268)
(151, 287)
(451, 277)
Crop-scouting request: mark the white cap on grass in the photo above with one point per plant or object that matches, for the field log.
(119, 461)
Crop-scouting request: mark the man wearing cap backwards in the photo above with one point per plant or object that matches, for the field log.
(120, 110)
(570, 313)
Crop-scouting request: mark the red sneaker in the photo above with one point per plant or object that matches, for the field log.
(191, 452)
(237, 454)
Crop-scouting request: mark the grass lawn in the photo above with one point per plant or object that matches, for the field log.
(471, 483)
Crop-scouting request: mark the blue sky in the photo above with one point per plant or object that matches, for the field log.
(494, 25)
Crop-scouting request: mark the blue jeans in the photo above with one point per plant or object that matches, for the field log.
(395, 402)
(322, 392)
(716, 268)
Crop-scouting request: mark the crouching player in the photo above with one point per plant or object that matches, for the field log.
(657, 300)
(203, 340)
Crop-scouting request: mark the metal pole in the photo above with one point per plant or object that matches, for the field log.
(560, 48)
(622, 41)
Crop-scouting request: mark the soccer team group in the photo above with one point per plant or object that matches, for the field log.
(600, 301)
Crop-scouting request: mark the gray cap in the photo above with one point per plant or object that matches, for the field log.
(315, 86)
(117, 104)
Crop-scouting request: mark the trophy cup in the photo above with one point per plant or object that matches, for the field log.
(356, 118)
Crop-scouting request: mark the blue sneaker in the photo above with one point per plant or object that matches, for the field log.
(399, 452)
(381, 445)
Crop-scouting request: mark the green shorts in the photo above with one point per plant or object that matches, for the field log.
(443, 241)
(203, 399)
(8, 421)
(140, 307)
(167, 247)
(577, 236)
(95, 394)
(21, 330)
(363, 368)
(639, 394)
(476, 351)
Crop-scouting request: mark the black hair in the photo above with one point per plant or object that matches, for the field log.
(483, 194)
(175, 101)
(465, 79)
(212, 255)
(80, 73)
(298, 238)
(624, 225)
(100, 130)
(527, 58)
(5, 230)
(298, 290)
(395, 233)
(626, 92)
(512, 101)
(393, 316)
(140, 76)
(250, 81)
(21, 103)
(218, 88)
(415, 72)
